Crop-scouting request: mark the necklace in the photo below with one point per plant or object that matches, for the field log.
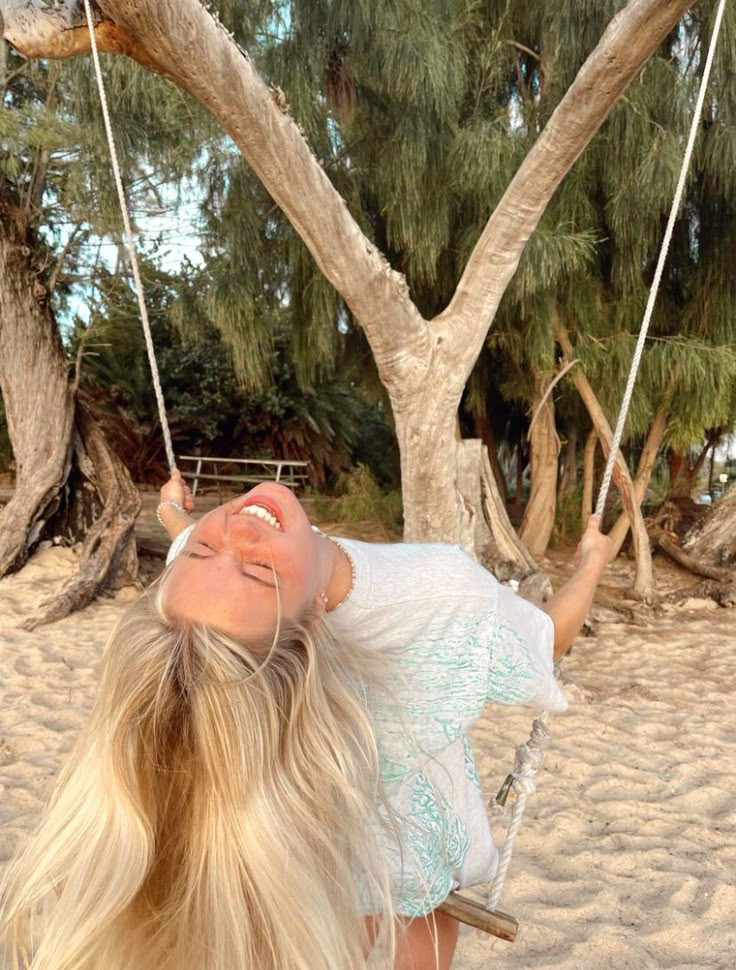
(349, 558)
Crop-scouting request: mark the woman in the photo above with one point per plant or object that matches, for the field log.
(277, 774)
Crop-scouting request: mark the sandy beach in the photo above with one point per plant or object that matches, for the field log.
(627, 858)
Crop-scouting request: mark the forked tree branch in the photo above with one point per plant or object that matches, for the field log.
(631, 37)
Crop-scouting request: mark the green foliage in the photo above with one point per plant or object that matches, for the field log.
(376, 447)
(208, 407)
(360, 497)
(568, 517)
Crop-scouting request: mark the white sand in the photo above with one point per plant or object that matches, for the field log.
(627, 859)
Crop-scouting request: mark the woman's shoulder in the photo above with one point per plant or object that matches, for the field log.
(413, 571)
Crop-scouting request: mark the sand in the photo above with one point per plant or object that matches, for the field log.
(627, 857)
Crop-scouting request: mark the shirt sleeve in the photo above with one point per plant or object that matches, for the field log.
(178, 544)
(521, 668)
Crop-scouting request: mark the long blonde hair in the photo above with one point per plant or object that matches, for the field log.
(218, 812)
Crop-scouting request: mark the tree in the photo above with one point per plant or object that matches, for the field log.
(424, 363)
(70, 485)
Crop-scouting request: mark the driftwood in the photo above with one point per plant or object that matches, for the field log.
(688, 562)
(679, 516)
(721, 582)
(713, 537)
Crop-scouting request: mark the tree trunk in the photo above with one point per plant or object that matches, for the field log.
(683, 472)
(644, 471)
(569, 480)
(182, 41)
(435, 509)
(34, 380)
(588, 476)
(713, 539)
(539, 515)
(644, 578)
(70, 487)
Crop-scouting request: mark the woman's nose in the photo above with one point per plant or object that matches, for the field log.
(241, 528)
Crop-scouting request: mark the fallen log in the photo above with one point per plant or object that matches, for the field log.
(696, 566)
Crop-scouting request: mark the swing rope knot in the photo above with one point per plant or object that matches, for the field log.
(525, 784)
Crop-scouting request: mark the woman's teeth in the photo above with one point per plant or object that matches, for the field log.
(262, 513)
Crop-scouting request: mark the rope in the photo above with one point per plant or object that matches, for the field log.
(529, 756)
(623, 413)
(129, 243)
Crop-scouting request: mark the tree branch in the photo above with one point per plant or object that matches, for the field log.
(552, 384)
(621, 474)
(524, 48)
(61, 259)
(629, 40)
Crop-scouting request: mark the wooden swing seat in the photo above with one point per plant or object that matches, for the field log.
(468, 911)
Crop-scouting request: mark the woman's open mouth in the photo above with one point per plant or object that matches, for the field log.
(265, 509)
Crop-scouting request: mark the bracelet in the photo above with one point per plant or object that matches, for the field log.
(174, 505)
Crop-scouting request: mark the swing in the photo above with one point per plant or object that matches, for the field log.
(529, 756)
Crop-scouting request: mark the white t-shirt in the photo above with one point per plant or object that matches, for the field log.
(459, 640)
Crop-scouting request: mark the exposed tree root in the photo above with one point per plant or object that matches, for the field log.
(108, 559)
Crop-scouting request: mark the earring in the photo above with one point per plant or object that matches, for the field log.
(323, 597)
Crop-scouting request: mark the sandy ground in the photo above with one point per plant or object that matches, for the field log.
(627, 858)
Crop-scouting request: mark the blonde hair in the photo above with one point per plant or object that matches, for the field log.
(219, 811)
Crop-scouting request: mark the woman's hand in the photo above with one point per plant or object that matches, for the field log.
(570, 604)
(593, 545)
(177, 490)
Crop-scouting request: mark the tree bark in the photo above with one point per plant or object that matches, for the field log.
(539, 515)
(648, 457)
(69, 487)
(182, 41)
(713, 539)
(34, 380)
(435, 508)
(588, 476)
(508, 546)
(644, 578)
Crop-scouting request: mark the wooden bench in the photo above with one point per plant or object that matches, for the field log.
(243, 471)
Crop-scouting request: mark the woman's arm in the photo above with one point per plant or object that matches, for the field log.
(569, 606)
(173, 519)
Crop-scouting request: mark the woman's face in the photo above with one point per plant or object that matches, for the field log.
(235, 558)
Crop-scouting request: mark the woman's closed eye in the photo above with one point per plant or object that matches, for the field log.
(212, 553)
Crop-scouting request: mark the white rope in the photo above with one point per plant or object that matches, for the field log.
(623, 413)
(529, 756)
(130, 246)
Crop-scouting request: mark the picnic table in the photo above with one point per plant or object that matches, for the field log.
(243, 471)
